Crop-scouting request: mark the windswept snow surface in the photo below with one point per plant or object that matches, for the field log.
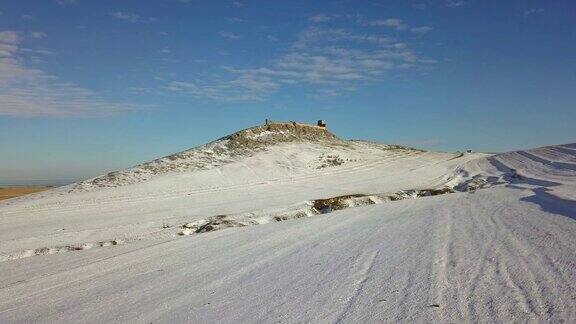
(501, 247)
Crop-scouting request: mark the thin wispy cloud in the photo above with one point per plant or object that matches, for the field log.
(9, 37)
(532, 12)
(421, 30)
(331, 17)
(319, 18)
(313, 35)
(30, 92)
(229, 35)
(36, 51)
(235, 20)
(244, 88)
(425, 4)
(66, 2)
(319, 57)
(455, 3)
(331, 93)
(396, 24)
(131, 17)
(38, 34)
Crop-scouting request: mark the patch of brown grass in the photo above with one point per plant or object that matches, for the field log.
(12, 192)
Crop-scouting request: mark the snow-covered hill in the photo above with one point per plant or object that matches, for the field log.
(292, 224)
(225, 150)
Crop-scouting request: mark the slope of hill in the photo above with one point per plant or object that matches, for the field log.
(270, 177)
(302, 229)
(225, 150)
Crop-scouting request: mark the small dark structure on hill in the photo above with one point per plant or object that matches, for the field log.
(268, 122)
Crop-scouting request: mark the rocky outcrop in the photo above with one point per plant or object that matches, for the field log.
(275, 133)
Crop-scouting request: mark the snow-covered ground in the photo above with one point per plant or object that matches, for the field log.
(420, 236)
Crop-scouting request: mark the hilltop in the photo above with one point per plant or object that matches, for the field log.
(228, 149)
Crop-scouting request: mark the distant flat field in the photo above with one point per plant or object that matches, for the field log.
(11, 192)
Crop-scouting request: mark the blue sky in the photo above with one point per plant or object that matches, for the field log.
(92, 86)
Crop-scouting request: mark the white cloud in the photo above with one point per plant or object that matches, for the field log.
(126, 16)
(455, 3)
(27, 17)
(229, 35)
(9, 37)
(244, 88)
(165, 51)
(30, 92)
(531, 12)
(331, 92)
(139, 90)
(320, 60)
(36, 51)
(313, 35)
(38, 34)
(395, 23)
(131, 17)
(235, 20)
(272, 38)
(318, 18)
(237, 4)
(66, 2)
(421, 30)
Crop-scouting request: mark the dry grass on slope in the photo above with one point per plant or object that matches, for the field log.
(12, 192)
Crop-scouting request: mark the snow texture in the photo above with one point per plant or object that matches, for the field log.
(295, 225)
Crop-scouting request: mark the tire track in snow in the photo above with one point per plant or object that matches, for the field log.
(484, 237)
(507, 273)
(268, 255)
(443, 269)
(411, 291)
(363, 264)
(508, 266)
(542, 274)
(484, 275)
(79, 276)
(518, 291)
